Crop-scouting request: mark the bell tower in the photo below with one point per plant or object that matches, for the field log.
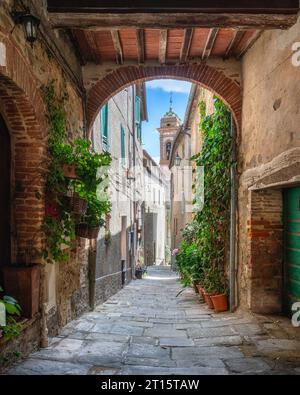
(169, 126)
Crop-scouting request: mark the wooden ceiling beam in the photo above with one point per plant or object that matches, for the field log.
(238, 35)
(249, 43)
(186, 45)
(118, 46)
(130, 6)
(163, 45)
(76, 47)
(93, 46)
(210, 42)
(182, 20)
(140, 38)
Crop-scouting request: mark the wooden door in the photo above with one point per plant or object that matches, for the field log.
(292, 247)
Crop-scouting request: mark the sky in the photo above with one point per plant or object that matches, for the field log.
(158, 103)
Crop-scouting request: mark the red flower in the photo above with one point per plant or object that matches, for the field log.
(51, 210)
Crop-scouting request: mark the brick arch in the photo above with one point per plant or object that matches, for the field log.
(23, 110)
(207, 76)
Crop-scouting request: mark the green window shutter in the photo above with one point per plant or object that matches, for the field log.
(138, 121)
(137, 110)
(104, 126)
(123, 152)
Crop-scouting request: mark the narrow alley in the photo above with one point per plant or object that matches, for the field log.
(136, 138)
(149, 327)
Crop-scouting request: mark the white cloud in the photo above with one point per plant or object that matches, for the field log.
(170, 85)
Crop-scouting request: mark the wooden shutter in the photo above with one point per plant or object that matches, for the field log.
(104, 126)
(123, 153)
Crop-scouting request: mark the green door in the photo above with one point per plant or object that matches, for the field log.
(292, 247)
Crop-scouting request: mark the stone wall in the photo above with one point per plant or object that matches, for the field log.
(109, 257)
(268, 162)
(109, 285)
(23, 72)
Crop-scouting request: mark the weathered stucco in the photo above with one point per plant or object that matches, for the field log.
(268, 150)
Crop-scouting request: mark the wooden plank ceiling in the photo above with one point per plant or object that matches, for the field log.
(167, 31)
(166, 46)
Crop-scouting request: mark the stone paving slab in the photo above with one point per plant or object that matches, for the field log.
(175, 342)
(147, 329)
(219, 341)
(48, 367)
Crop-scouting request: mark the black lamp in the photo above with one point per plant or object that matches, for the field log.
(30, 23)
(177, 160)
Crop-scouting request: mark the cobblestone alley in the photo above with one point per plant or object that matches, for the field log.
(147, 329)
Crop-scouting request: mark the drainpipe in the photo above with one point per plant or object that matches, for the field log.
(233, 217)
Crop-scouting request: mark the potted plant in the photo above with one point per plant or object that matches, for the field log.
(216, 289)
(93, 219)
(79, 205)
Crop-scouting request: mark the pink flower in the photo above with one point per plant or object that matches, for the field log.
(175, 251)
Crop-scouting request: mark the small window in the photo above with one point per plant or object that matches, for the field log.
(168, 150)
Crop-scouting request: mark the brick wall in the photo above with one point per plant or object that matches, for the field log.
(203, 74)
(23, 70)
(265, 260)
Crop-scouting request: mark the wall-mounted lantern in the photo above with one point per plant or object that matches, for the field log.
(177, 160)
(29, 22)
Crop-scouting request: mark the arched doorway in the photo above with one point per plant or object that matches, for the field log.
(5, 158)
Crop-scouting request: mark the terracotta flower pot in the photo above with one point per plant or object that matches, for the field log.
(23, 284)
(69, 171)
(201, 291)
(84, 231)
(208, 301)
(220, 302)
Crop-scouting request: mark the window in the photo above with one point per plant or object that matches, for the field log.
(138, 122)
(104, 127)
(168, 150)
(123, 150)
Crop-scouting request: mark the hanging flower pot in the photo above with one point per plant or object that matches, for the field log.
(69, 171)
(220, 302)
(86, 232)
(78, 205)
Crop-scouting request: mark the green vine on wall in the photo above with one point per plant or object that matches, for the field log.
(59, 222)
(204, 250)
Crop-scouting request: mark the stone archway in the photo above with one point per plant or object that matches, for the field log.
(22, 108)
(201, 73)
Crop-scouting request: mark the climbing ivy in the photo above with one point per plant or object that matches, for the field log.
(203, 253)
(59, 223)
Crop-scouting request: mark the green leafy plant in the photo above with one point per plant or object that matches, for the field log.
(209, 232)
(12, 328)
(59, 223)
(189, 263)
